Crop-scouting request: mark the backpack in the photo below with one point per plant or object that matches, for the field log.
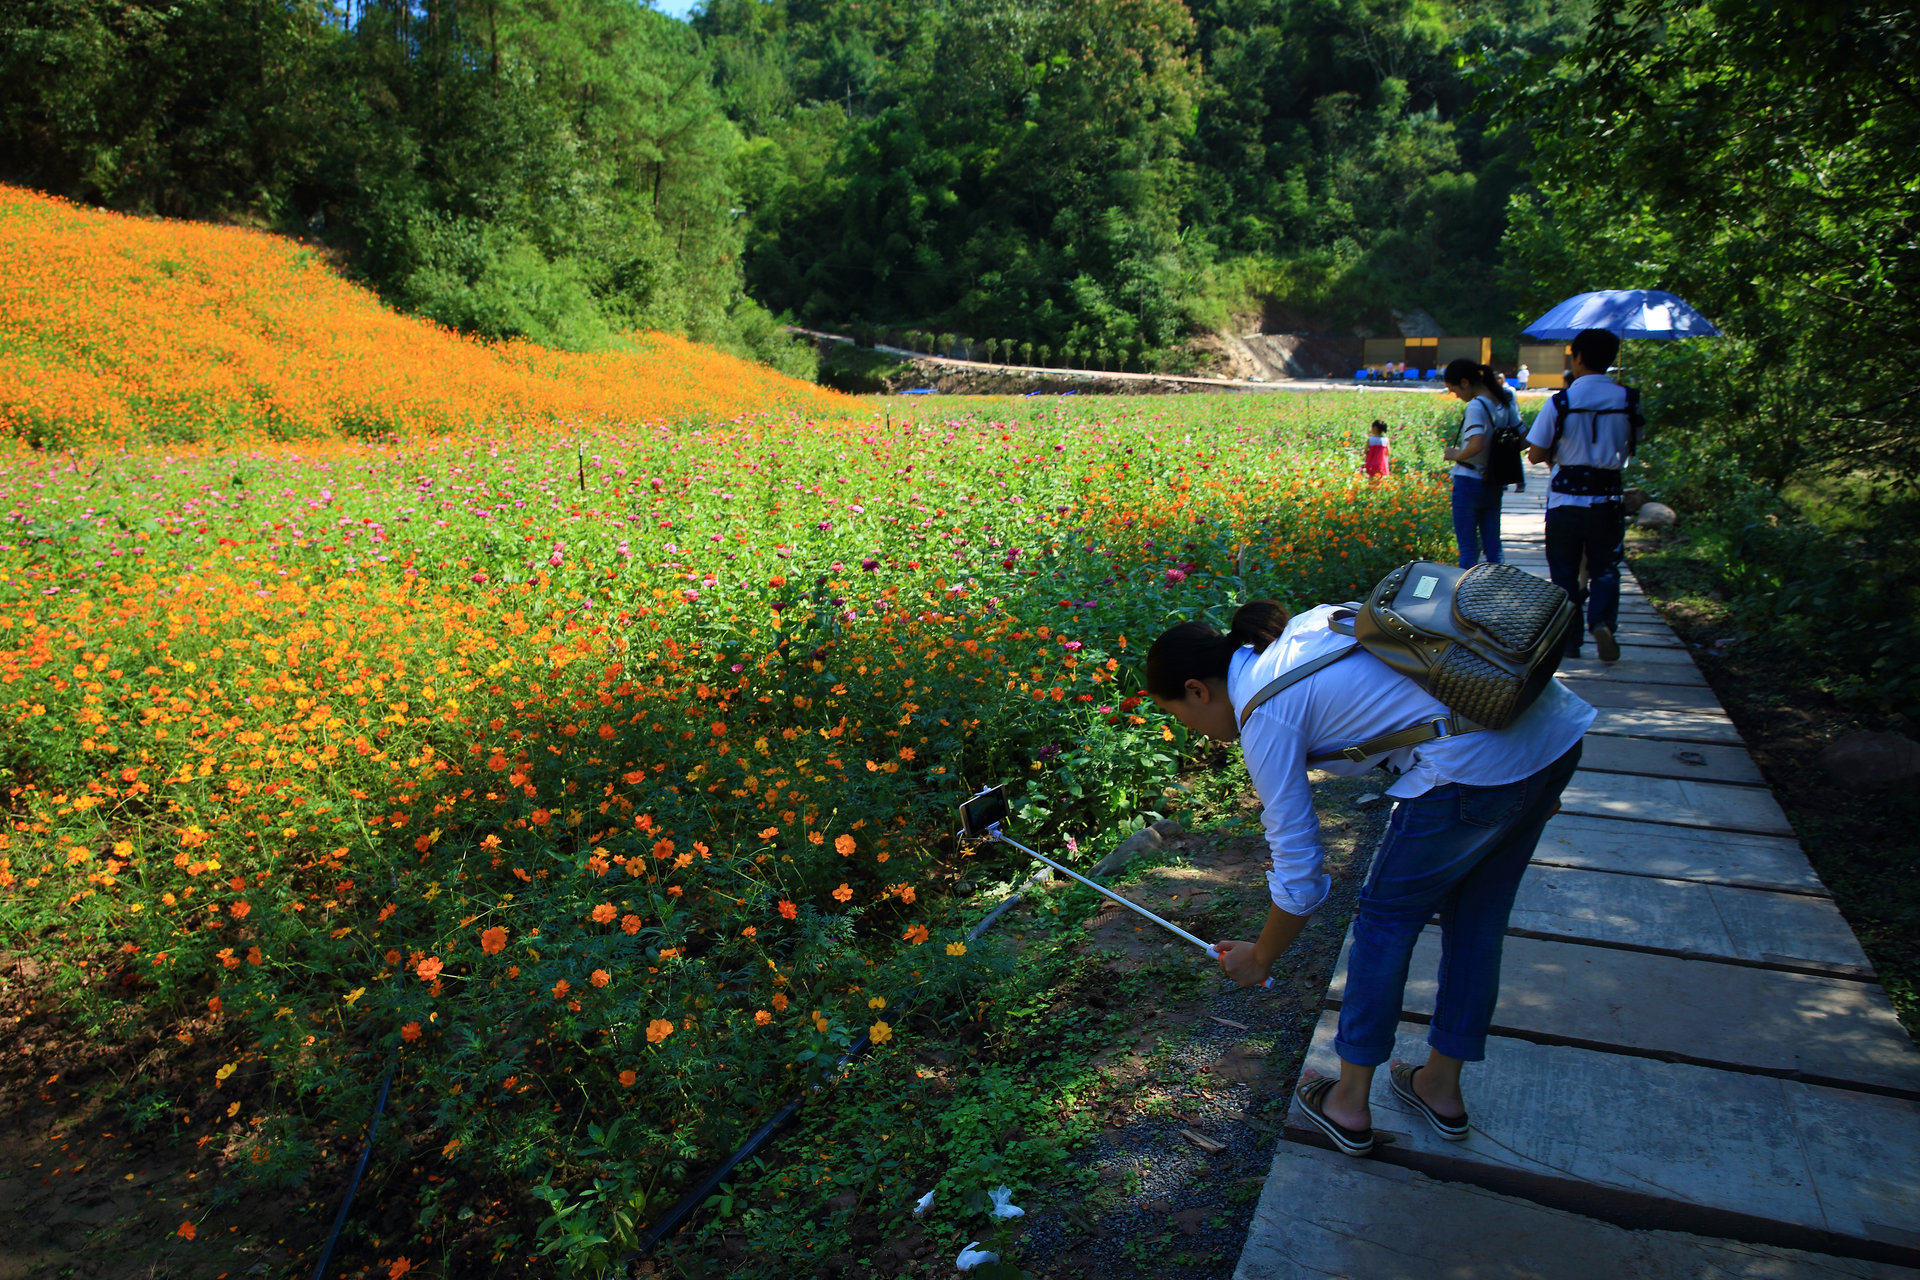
(1503, 454)
(1499, 463)
(1599, 482)
(1484, 641)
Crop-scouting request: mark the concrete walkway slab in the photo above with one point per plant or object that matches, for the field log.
(1688, 918)
(1665, 1144)
(1324, 1216)
(1677, 853)
(1769, 1021)
(1671, 726)
(1643, 697)
(1693, 762)
(1630, 670)
(1675, 802)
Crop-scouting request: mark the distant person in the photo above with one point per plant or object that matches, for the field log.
(1521, 378)
(1378, 464)
(1588, 431)
(1476, 495)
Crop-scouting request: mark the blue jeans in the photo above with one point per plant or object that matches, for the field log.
(1595, 534)
(1476, 520)
(1460, 851)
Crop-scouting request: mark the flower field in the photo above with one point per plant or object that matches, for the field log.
(117, 329)
(598, 778)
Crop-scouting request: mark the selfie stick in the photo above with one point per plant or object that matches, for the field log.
(995, 833)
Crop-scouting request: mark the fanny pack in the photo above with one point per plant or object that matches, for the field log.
(1587, 482)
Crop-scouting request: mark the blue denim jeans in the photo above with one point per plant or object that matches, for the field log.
(1596, 534)
(1476, 520)
(1459, 851)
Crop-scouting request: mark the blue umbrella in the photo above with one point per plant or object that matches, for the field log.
(1629, 313)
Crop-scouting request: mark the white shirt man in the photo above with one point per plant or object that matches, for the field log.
(1585, 520)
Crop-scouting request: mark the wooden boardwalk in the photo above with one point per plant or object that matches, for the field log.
(1693, 1072)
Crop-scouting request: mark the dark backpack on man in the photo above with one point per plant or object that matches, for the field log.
(1484, 641)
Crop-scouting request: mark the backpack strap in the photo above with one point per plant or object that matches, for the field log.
(1438, 727)
(1561, 408)
(1290, 677)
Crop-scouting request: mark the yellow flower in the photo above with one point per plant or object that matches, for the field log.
(878, 1002)
(355, 994)
(224, 1072)
(956, 948)
(879, 1033)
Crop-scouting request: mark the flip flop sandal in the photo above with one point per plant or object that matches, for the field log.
(1401, 1076)
(1312, 1096)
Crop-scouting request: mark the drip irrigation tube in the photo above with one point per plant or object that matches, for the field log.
(677, 1216)
(353, 1183)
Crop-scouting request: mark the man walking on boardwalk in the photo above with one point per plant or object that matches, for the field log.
(1588, 432)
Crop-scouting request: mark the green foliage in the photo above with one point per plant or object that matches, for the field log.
(557, 171)
(1755, 159)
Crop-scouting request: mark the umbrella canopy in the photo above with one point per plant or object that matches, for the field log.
(1629, 313)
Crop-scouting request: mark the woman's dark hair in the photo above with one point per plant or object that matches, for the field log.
(1464, 370)
(1196, 651)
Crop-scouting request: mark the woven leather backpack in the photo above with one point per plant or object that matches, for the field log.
(1485, 641)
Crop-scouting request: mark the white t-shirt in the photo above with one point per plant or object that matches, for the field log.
(1376, 441)
(1483, 417)
(1355, 699)
(1590, 440)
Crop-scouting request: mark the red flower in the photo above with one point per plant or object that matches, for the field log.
(788, 910)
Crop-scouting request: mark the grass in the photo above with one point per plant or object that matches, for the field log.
(1790, 701)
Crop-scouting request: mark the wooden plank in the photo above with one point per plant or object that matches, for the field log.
(1829, 1029)
(1675, 802)
(1677, 853)
(1324, 1215)
(1695, 761)
(1666, 726)
(1685, 916)
(1666, 1143)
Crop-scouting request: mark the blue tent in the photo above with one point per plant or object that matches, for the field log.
(1628, 313)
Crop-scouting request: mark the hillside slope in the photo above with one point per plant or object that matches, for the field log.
(116, 330)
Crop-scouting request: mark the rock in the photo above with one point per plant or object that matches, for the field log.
(1656, 515)
(1634, 499)
(1866, 761)
(1168, 828)
(1203, 1142)
(1368, 800)
(1142, 841)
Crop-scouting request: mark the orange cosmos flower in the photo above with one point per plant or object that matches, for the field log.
(494, 941)
(663, 849)
(603, 913)
(428, 969)
(761, 1017)
(239, 910)
(601, 977)
(541, 817)
(657, 1030)
(749, 932)
(844, 845)
(788, 910)
(186, 1231)
(561, 988)
(630, 923)
(843, 894)
(627, 1078)
(917, 934)
(780, 1001)
(410, 1032)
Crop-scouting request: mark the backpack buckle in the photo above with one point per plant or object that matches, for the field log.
(1442, 727)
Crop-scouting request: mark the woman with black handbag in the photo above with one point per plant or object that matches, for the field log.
(1476, 482)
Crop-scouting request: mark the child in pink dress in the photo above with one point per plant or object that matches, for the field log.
(1378, 463)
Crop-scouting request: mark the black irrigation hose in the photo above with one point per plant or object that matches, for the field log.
(676, 1217)
(353, 1184)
